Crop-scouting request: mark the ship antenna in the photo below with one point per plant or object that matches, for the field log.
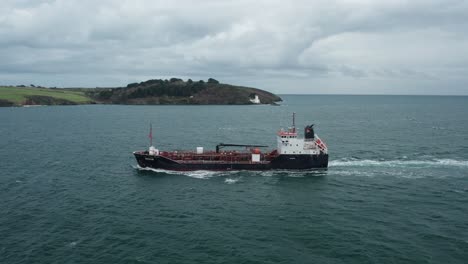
(150, 135)
(294, 122)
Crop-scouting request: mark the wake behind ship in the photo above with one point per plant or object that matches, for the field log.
(292, 153)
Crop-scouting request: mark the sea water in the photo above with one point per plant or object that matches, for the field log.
(396, 190)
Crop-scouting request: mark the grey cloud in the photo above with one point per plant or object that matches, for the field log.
(332, 44)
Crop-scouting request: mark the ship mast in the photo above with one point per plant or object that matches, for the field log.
(150, 135)
(294, 122)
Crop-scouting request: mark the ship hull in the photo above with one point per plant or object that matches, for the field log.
(281, 162)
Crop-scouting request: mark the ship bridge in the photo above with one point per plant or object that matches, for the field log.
(289, 143)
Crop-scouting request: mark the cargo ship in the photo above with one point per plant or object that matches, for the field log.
(292, 153)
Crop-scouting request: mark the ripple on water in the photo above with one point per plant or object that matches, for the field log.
(399, 163)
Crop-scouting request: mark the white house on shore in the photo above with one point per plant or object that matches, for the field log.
(255, 100)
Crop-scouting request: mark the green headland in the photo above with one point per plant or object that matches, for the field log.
(156, 91)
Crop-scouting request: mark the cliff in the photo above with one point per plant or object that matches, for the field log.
(177, 91)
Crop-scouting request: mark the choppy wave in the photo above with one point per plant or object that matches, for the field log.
(231, 180)
(203, 174)
(72, 244)
(398, 163)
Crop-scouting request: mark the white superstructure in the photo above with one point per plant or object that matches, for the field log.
(289, 143)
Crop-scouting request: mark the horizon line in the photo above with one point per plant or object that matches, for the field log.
(376, 94)
(345, 94)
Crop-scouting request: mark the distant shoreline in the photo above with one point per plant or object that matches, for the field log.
(152, 92)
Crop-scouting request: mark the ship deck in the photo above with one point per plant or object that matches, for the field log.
(221, 162)
(216, 157)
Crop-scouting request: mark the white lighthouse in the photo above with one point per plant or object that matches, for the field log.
(255, 100)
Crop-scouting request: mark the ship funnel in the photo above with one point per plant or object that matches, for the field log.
(309, 132)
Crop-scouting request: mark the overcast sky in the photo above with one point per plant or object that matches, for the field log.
(313, 47)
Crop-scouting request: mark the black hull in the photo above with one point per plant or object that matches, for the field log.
(282, 162)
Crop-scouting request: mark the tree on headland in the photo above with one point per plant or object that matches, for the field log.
(131, 85)
(175, 80)
(211, 80)
(178, 91)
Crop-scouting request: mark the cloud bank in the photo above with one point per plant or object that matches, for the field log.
(334, 46)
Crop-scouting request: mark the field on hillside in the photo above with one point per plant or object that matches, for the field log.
(18, 95)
